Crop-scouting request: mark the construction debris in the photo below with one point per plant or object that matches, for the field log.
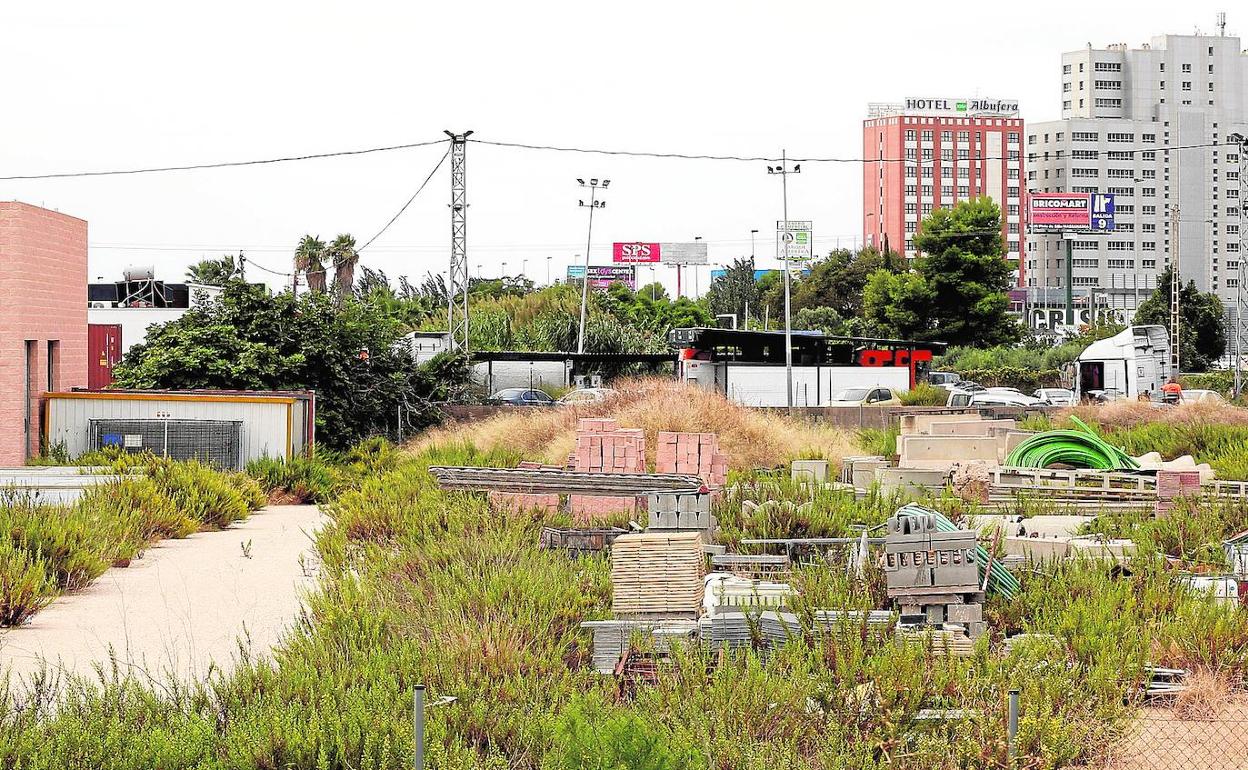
(613, 637)
(1081, 448)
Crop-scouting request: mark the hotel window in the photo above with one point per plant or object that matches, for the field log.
(1083, 262)
(1012, 227)
(946, 154)
(964, 172)
(1065, 69)
(1122, 264)
(1148, 155)
(926, 172)
(1187, 85)
(964, 191)
(911, 154)
(1109, 85)
(1012, 210)
(927, 209)
(1011, 192)
(1118, 245)
(1066, 87)
(1013, 246)
(1085, 136)
(1148, 227)
(1082, 280)
(1153, 210)
(1149, 192)
(1109, 103)
(1148, 263)
(1013, 138)
(964, 154)
(1012, 173)
(912, 190)
(911, 226)
(1012, 155)
(927, 136)
(946, 172)
(964, 136)
(1118, 155)
(1120, 173)
(912, 208)
(946, 136)
(927, 191)
(1187, 68)
(1113, 137)
(1066, 105)
(912, 171)
(927, 153)
(1148, 245)
(1085, 154)
(911, 135)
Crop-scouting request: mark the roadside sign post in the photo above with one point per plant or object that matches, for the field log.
(1071, 214)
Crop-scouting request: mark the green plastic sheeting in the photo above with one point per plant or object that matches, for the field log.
(1080, 448)
(1001, 581)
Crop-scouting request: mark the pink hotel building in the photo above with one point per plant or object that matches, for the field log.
(43, 319)
(931, 153)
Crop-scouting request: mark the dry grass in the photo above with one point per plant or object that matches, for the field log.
(1207, 693)
(752, 439)
(1129, 414)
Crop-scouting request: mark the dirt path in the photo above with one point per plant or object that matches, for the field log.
(181, 609)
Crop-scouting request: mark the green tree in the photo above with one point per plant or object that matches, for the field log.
(350, 352)
(824, 319)
(344, 256)
(215, 272)
(839, 279)
(957, 291)
(1202, 333)
(310, 256)
(735, 291)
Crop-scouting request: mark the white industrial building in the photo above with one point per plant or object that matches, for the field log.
(1158, 126)
(226, 428)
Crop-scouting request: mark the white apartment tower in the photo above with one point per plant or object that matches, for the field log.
(1158, 126)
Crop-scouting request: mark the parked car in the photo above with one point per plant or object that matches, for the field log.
(585, 396)
(522, 397)
(1056, 396)
(1202, 397)
(865, 397)
(984, 397)
(943, 379)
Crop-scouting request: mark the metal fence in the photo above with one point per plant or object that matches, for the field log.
(216, 442)
(1160, 739)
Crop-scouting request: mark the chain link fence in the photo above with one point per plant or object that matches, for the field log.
(1162, 739)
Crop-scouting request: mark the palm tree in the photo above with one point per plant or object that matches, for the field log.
(310, 260)
(343, 254)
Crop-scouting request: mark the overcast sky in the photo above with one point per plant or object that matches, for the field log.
(104, 85)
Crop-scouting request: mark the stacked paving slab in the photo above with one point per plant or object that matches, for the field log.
(693, 453)
(602, 446)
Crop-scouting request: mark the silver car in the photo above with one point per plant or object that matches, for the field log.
(1056, 396)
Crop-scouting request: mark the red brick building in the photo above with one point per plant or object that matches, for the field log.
(43, 318)
(931, 153)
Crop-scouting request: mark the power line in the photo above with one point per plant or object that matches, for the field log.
(758, 159)
(399, 213)
(225, 164)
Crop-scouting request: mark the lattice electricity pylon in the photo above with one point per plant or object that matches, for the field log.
(457, 277)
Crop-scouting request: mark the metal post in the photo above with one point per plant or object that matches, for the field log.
(1176, 282)
(418, 712)
(788, 329)
(1012, 727)
(594, 203)
(1070, 280)
(457, 277)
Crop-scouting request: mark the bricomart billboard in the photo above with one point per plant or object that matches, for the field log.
(1071, 212)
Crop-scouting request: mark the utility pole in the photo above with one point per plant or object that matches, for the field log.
(242, 266)
(594, 203)
(1241, 291)
(457, 277)
(1175, 282)
(783, 170)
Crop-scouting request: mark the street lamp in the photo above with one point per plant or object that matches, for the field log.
(752, 234)
(594, 203)
(504, 269)
(783, 170)
(524, 267)
(548, 258)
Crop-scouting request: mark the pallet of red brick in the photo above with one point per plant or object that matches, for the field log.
(692, 453)
(603, 447)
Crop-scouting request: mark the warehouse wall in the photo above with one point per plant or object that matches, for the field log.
(43, 318)
(266, 422)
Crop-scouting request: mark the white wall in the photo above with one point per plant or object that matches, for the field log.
(264, 429)
(812, 385)
(134, 320)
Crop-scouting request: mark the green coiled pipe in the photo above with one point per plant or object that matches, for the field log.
(1080, 448)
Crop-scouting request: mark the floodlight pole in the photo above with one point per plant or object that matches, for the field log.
(594, 203)
(785, 236)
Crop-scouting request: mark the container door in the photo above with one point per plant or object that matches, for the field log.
(103, 353)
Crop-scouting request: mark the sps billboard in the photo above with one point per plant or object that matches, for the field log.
(640, 252)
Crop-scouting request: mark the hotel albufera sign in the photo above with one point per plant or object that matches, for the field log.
(961, 105)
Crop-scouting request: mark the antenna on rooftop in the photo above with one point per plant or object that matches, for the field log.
(1221, 23)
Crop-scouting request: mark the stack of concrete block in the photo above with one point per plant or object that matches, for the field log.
(669, 510)
(1171, 485)
(814, 471)
(604, 447)
(692, 453)
(522, 502)
(657, 574)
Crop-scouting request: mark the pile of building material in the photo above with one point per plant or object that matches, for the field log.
(613, 637)
(673, 511)
(604, 447)
(657, 575)
(844, 624)
(724, 590)
(578, 541)
(752, 566)
(739, 630)
(695, 453)
(1173, 485)
(939, 641)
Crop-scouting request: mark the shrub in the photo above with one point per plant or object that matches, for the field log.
(924, 394)
(73, 544)
(608, 741)
(24, 584)
(211, 498)
(152, 513)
